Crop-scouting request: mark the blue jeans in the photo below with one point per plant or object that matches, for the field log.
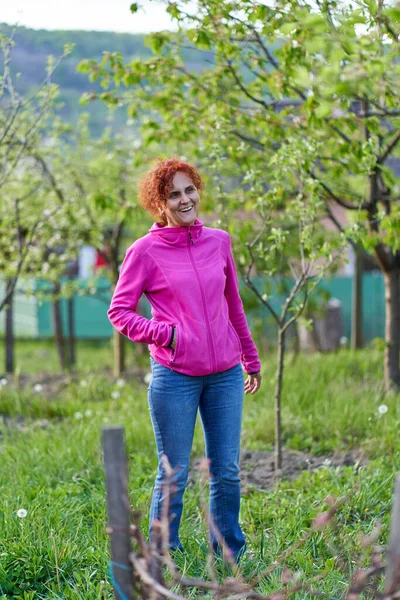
(174, 400)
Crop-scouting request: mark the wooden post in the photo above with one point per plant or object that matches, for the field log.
(71, 331)
(116, 469)
(58, 329)
(357, 304)
(392, 580)
(9, 337)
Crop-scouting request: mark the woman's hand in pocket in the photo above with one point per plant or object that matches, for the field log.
(173, 343)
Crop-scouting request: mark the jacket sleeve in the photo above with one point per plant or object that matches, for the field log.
(237, 317)
(132, 283)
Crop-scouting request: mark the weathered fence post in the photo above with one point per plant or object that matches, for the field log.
(116, 468)
(392, 580)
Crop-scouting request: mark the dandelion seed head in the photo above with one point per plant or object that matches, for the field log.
(37, 387)
(147, 378)
(120, 383)
(83, 383)
(21, 513)
(78, 416)
(382, 409)
(115, 395)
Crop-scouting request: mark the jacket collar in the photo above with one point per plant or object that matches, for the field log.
(178, 236)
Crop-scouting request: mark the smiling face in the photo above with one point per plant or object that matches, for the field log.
(183, 201)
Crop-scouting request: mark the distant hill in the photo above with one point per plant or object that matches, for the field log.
(29, 58)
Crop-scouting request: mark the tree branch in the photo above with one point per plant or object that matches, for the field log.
(336, 198)
(246, 91)
(390, 147)
(252, 141)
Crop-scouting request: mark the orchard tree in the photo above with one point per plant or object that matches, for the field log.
(27, 204)
(293, 253)
(324, 72)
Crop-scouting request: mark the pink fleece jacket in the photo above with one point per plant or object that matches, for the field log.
(188, 275)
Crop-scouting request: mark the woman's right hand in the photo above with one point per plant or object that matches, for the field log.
(173, 345)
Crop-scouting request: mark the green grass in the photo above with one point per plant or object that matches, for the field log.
(55, 473)
(33, 357)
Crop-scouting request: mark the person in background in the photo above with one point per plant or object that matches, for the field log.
(199, 343)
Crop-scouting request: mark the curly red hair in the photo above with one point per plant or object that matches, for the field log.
(155, 185)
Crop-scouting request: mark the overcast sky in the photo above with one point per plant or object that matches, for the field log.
(99, 15)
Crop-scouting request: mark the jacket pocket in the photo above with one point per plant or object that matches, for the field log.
(175, 351)
(239, 344)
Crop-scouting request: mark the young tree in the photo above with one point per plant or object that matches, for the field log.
(24, 211)
(324, 72)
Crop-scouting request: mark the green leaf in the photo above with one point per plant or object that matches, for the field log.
(68, 48)
(156, 42)
(85, 66)
(173, 10)
(287, 28)
(134, 7)
(202, 40)
(371, 4)
(324, 110)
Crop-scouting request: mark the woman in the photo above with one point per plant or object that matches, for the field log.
(198, 338)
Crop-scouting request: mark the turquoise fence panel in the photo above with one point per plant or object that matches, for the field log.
(25, 307)
(90, 311)
(373, 303)
(338, 287)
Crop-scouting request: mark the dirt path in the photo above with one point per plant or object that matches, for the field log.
(257, 467)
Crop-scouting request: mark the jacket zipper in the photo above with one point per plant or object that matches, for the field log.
(205, 311)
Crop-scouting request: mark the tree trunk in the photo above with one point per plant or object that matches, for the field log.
(357, 304)
(9, 332)
(278, 392)
(119, 353)
(58, 329)
(392, 329)
(71, 331)
(118, 339)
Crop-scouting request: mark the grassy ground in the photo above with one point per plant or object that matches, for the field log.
(51, 467)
